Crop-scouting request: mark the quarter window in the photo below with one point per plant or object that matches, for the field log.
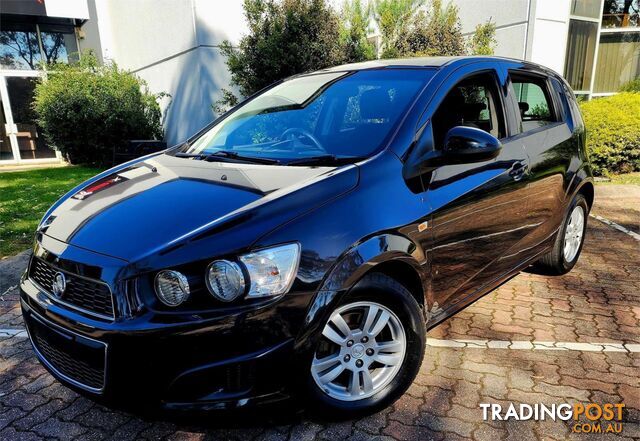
(534, 101)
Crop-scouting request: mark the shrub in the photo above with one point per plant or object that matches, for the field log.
(85, 110)
(631, 86)
(613, 133)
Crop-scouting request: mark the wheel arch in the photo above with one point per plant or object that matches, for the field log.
(588, 191)
(392, 254)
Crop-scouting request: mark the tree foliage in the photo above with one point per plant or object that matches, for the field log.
(353, 32)
(286, 37)
(483, 41)
(436, 31)
(86, 110)
(392, 18)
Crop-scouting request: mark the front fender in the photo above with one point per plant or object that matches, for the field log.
(351, 266)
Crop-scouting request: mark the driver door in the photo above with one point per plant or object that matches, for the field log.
(479, 209)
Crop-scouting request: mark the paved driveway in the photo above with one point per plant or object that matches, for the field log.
(536, 339)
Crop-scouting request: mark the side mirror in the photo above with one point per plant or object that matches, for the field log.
(468, 144)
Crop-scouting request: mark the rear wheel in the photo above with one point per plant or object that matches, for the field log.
(369, 349)
(570, 238)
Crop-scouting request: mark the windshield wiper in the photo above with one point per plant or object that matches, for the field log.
(223, 155)
(236, 156)
(325, 160)
(189, 155)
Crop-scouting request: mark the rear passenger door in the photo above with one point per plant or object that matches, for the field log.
(547, 140)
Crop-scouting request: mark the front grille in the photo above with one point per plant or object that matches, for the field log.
(76, 358)
(82, 293)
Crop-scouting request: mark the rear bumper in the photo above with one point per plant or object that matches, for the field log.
(220, 362)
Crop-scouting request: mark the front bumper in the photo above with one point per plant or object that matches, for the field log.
(223, 361)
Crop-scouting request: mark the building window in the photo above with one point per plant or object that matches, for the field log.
(58, 43)
(19, 46)
(618, 60)
(24, 46)
(621, 13)
(581, 47)
(586, 8)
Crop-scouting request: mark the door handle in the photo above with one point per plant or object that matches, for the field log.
(518, 170)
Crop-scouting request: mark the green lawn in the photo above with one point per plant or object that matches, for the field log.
(627, 178)
(26, 195)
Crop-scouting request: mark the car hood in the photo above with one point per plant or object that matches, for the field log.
(150, 205)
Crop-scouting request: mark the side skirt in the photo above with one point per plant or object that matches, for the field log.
(486, 289)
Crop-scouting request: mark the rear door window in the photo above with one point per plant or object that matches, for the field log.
(534, 101)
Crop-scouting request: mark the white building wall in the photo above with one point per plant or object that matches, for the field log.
(511, 18)
(550, 29)
(533, 30)
(174, 46)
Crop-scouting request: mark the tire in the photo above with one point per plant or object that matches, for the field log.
(389, 382)
(557, 261)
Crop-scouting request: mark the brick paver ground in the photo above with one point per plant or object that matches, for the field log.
(620, 204)
(598, 302)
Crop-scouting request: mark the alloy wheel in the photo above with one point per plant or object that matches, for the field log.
(362, 349)
(573, 233)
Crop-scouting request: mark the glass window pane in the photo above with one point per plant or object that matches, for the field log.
(618, 61)
(333, 113)
(533, 101)
(59, 43)
(5, 142)
(581, 46)
(586, 8)
(470, 103)
(31, 143)
(19, 48)
(621, 13)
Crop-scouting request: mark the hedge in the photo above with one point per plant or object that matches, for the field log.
(613, 133)
(631, 86)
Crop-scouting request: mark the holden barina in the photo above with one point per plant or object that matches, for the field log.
(304, 242)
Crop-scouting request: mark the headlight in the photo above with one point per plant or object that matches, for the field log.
(172, 287)
(272, 270)
(225, 280)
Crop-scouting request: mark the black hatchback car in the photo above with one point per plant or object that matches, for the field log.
(306, 240)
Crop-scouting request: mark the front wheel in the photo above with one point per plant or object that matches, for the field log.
(369, 351)
(568, 245)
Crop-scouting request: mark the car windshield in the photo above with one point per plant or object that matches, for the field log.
(337, 115)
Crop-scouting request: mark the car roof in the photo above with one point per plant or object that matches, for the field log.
(424, 62)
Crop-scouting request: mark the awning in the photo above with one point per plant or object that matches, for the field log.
(74, 9)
